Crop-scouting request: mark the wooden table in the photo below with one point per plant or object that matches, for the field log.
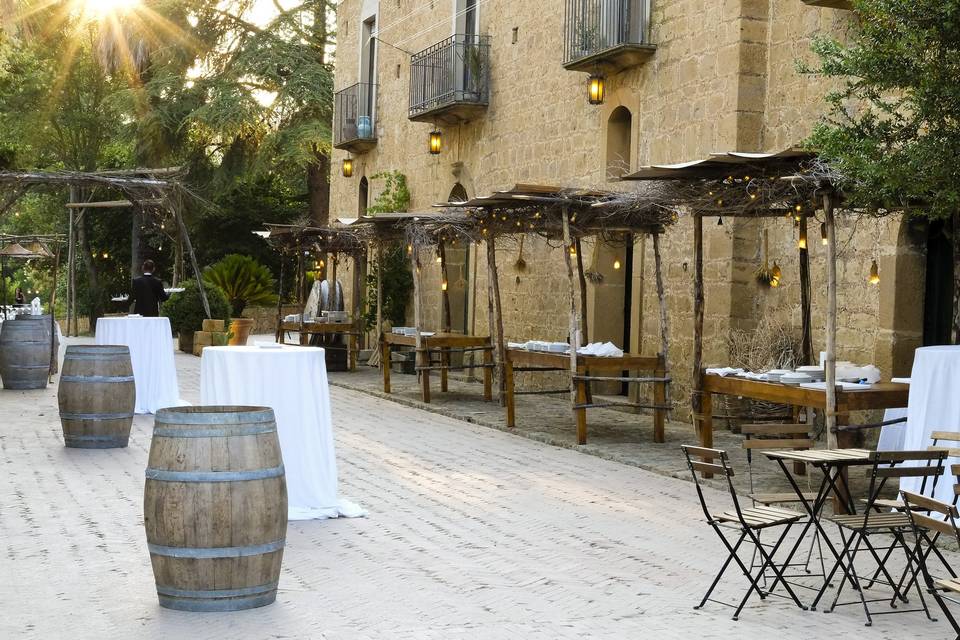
(523, 359)
(324, 329)
(887, 395)
(442, 343)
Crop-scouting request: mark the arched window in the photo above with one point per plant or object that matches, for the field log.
(362, 197)
(619, 136)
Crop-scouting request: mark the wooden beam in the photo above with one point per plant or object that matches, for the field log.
(446, 320)
(806, 331)
(185, 236)
(831, 361)
(114, 204)
(582, 281)
(704, 426)
(497, 308)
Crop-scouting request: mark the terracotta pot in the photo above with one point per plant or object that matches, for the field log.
(240, 329)
(185, 341)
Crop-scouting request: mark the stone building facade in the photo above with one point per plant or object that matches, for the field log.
(708, 76)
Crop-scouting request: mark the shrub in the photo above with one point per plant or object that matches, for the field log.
(243, 280)
(185, 309)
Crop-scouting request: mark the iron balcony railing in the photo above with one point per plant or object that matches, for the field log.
(594, 26)
(353, 113)
(453, 71)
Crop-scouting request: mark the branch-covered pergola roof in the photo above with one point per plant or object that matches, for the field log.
(291, 237)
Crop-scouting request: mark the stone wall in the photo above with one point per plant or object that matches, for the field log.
(723, 78)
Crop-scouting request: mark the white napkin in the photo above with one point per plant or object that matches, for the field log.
(725, 371)
(35, 308)
(603, 349)
(263, 344)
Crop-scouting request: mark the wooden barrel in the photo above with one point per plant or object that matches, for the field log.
(215, 507)
(45, 320)
(24, 355)
(97, 396)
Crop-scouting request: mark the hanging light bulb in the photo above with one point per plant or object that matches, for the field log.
(105, 255)
(443, 285)
(573, 250)
(823, 233)
(439, 260)
(720, 221)
(775, 274)
(874, 273)
(409, 249)
(802, 242)
(616, 264)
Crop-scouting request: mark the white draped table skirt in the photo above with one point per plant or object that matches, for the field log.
(293, 382)
(151, 353)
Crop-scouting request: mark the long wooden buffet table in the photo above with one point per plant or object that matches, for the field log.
(442, 343)
(886, 395)
(525, 360)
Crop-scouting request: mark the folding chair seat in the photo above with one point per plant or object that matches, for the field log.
(748, 523)
(929, 516)
(857, 530)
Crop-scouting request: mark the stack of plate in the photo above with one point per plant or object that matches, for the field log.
(776, 374)
(816, 374)
(795, 378)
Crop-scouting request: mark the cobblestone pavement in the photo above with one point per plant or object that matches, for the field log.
(472, 533)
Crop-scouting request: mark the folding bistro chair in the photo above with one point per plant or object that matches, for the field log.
(857, 529)
(932, 516)
(771, 437)
(748, 522)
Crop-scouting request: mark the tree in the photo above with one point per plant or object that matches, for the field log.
(893, 130)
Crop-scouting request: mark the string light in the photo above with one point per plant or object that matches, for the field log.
(616, 264)
(573, 250)
(439, 260)
(443, 285)
(409, 249)
(802, 242)
(775, 274)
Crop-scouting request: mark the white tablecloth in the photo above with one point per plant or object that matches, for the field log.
(934, 405)
(293, 382)
(151, 352)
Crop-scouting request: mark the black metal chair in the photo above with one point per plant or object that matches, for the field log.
(748, 523)
(929, 516)
(857, 529)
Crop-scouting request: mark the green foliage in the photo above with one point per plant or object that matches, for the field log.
(893, 129)
(397, 288)
(395, 196)
(243, 280)
(185, 309)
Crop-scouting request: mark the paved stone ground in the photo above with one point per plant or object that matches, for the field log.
(472, 533)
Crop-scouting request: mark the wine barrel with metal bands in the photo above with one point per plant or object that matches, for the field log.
(46, 321)
(215, 507)
(24, 355)
(97, 396)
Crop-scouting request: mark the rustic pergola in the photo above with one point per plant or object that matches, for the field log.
(561, 215)
(792, 183)
(146, 191)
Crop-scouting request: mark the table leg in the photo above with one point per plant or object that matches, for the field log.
(488, 374)
(659, 399)
(444, 362)
(706, 426)
(353, 355)
(385, 363)
(424, 359)
(845, 440)
(581, 414)
(304, 338)
(508, 389)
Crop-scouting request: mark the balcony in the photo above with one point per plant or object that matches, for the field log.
(833, 4)
(606, 35)
(450, 81)
(353, 125)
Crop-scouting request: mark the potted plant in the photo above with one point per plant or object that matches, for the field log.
(186, 313)
(244, 281)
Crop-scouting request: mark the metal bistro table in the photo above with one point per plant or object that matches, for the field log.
(833, 463)
(443, 343)
(308, 329)
(526, 360)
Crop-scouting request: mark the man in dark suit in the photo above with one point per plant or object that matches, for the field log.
(148, 293)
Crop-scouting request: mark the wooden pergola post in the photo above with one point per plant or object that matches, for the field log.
(830, 365)
(70, 261)
(660, 389)
(495, 311)
(806, 344)
(422, 358)
(283, 262)
(702, 403)
(445, 320)
(582, 281)
(578, 394)
(54, 356)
